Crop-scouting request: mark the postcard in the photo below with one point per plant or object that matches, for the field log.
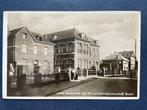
(71, 54)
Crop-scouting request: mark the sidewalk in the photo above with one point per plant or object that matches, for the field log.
(51, 88)
(117, 77)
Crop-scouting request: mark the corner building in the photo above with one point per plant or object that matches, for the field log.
(74, 49)
(30, 49)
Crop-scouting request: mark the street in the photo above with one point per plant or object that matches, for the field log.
(103, 87)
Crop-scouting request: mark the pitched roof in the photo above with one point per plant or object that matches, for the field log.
(34, 35)
(62, 34)
(71, 33)
(126, 54)
(14, 31)
(40, 38)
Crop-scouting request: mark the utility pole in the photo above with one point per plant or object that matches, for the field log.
(136, 63)
(135, 48)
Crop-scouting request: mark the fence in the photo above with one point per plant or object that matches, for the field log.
(30, 79)
(35, 79)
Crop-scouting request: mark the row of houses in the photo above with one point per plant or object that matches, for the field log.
(65, 49)
(60, 51)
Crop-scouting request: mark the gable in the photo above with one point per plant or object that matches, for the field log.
(20, 36)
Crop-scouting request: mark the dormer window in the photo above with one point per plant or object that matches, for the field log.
(24, 36)
(55, 37)
(40, 38)
(82, 35)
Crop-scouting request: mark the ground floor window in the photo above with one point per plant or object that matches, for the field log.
(35, 62)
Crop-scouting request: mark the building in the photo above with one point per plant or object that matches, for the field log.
(119, 63)
(29, 50)
(75, 50)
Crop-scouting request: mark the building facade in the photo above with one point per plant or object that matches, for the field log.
(30, 49)
(75, 50)
(119, 63)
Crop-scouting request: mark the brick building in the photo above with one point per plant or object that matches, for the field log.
(29, 49)
(119, 63)
(74, 49)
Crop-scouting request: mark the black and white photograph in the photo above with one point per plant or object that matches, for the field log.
(71, 55)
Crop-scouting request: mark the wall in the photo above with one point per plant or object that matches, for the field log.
(86, 57)
(29, 57)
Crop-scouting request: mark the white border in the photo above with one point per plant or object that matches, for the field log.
(4, 67)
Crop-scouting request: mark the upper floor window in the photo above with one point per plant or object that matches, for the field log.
(61, 48)
(93, 52)
(80, 48)
(64, 48)
(40, 38)
(24, 48)
(67, 48)
(45, 51)
(35, 49)
(24, 36)
(90, 51)
(97, 52)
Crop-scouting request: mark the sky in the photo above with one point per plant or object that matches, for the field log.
(115, 31)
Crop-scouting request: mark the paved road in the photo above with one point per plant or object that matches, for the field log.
(103, 87)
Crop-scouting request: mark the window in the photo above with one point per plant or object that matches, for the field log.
(24, 36)
(80, 47)
(68, 48)
(97, 52)
(56, 61)
(86, 49)
(59, 51)
(90, 51)
(35, 62)
(45, 51)
(35, 50)
(93, 52)
(46, 63)
(80, 63)
(84, 63)
(87, 63)
(64, 48)
(40, 38)
(24, 48)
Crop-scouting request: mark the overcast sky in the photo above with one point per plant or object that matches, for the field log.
(115, 31)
